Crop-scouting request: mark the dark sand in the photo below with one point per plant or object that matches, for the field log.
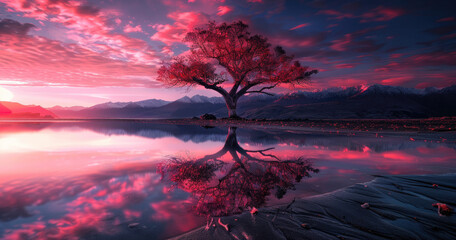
(400, 208)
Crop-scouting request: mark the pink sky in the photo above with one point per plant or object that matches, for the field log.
(87, 52)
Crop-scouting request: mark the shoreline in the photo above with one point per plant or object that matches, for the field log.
(441, 125)
(399, 207)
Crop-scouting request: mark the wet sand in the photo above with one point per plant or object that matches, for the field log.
(399, 207)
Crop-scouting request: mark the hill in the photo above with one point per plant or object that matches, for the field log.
(370, 102)
(17, 110)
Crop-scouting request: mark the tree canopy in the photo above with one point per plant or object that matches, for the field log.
(228, 59)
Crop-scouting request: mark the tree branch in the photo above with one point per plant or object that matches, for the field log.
(263, 89)
(269, 94)
(211, 86)
(264, 154)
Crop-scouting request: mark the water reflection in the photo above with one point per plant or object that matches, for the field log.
(99, 180)
(224, 188)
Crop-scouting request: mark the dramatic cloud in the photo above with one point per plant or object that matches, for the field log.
(87, 25)
(342, 66)
(222, 10)
(380, 14)
(336, 14)
(357, 41)
(75, 43)
(8, 26)
(128, 28)
(300, 26)
(175, 33)
(36, 60)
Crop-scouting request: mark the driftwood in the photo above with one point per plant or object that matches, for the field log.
(398, 207)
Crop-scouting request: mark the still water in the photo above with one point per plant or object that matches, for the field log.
(139, 180)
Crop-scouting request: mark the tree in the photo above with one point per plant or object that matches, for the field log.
(228, 55)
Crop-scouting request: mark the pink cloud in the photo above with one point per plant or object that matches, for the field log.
(300, 26)
(396, 55)
(89, 26)
(396, 81)
(222, 10)
(388, 67)
(184, 22)
(98, 50)
(420, 60)
(39, 61)
(346, 82)
(336, 14)
(342, 44)
(437, 80)
(352, 40)
(376, 15)
(346, 65)
(434, 59)
(128, 28)
(380, 14)
(291, 42)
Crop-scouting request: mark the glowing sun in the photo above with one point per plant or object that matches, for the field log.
(5, 94)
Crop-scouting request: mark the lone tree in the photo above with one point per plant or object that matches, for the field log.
(228, 56)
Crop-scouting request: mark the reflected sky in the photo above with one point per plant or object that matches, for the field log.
(99, 179)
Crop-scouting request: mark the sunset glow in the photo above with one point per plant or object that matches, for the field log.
(68, 47)
(5, 94)
(227, 119)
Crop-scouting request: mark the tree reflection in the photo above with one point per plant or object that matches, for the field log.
(224, 188)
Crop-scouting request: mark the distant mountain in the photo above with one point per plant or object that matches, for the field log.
(60, 108)
(17, 110)
(145, 103)
(152, 103)
(201, 99)
(376, 101)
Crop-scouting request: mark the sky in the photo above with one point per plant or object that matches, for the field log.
(73, 52)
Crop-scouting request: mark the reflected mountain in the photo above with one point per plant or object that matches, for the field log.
(353, 141)
(223, 188)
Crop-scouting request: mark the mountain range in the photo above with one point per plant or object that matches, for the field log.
(17, 110)
(375, 101)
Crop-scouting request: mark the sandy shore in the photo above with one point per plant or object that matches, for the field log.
(399, 207)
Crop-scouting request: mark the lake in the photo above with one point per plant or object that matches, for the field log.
(141, 180)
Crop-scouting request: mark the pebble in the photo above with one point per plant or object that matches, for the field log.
(365, 205)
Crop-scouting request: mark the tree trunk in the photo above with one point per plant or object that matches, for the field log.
(231, 104)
